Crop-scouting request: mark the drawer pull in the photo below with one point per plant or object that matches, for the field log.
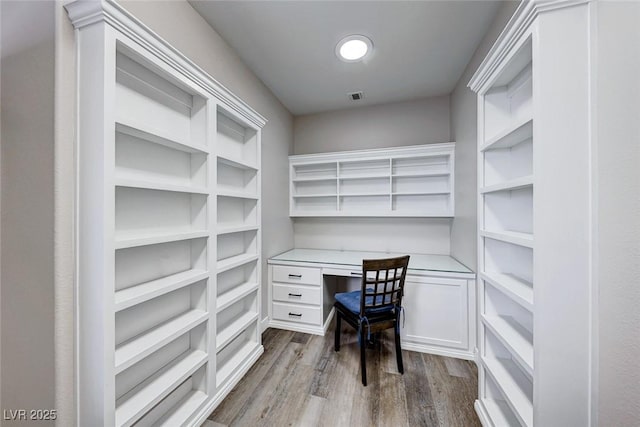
(353, 273)
(297, 276)
(295, 314)
(294, 295)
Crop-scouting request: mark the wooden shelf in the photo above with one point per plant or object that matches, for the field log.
(365, 179)
(505, 374)
(365, 176)
(143, 345)
(515, 338)
(513, 135)
(236, 163)
(513, 237)
(519, 290)
(229, 366)
(236, 229)
(314, 179)
(420, 174)
(131, 240)
(180, 413)
(137, 294)
(421, 193)
(234, 295)
(234, 329)
(237, 195)
(364, 194)
(500, 413)
(235, 261)
(148, 185)
(139, 130)
(513, 184)
(311, 196)
(133, 405)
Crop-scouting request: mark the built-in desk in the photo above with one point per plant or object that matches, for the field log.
(439, 297)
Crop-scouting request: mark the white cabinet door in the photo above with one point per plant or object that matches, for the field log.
(437, 315)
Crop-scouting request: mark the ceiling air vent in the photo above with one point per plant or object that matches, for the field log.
(356, 96)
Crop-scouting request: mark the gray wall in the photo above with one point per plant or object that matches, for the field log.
(398, 124)
(464, 123)
(618, 224)
(26, 223)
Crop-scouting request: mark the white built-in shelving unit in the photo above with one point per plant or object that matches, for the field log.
(534, 127)
(414, 181)
(168, 229)
(505, 218)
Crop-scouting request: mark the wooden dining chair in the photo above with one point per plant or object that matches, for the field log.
(382, 287)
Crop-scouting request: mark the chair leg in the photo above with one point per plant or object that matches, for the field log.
(363, 363)
(337, 334)
(398, 351)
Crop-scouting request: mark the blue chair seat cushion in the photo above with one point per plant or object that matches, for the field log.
(351, 300)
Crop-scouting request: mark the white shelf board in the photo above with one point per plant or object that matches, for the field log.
(237, 194)
(236, 163)
(140, 130)
(364, 194)
(308, 196)
(183, 410)
(234, 329)
(500, 413)
(365, 176)
(314, 179)
(228, 298)
(502, 372)
(420, 174)
(519, 290)
(235, 261)
(130, 240)
(513, 135)
(148, 185)
(513, 237)
(223, 372)
(136, 349)
(421, 193)
(236, 229)
(512, 184)
(143, 397)
(515, 338)
(374, 213)
(137, 294)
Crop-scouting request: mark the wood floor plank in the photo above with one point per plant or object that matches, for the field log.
(300, 380)
(421, 410)
(311, 411)
(275, 342)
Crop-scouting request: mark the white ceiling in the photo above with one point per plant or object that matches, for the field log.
(420, 47)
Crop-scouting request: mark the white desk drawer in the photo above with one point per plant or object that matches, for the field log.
(297, 313)
(297, 294)
(292, 274)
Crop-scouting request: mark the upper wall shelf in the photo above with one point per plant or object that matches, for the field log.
(415, 181)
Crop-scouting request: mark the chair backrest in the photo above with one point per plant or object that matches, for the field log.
(382, 282)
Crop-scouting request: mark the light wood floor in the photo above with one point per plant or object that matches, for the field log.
(301, 381)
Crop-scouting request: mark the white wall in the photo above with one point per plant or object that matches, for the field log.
(618, 154)
(464, 123)
(26, 222)
(398, 124)
(422, 121)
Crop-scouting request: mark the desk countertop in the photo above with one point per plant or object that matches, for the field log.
(421, 262)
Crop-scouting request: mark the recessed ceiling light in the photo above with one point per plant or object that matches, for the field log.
(353, 48)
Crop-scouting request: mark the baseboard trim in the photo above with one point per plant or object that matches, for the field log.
(264, 324)
(448, 352)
